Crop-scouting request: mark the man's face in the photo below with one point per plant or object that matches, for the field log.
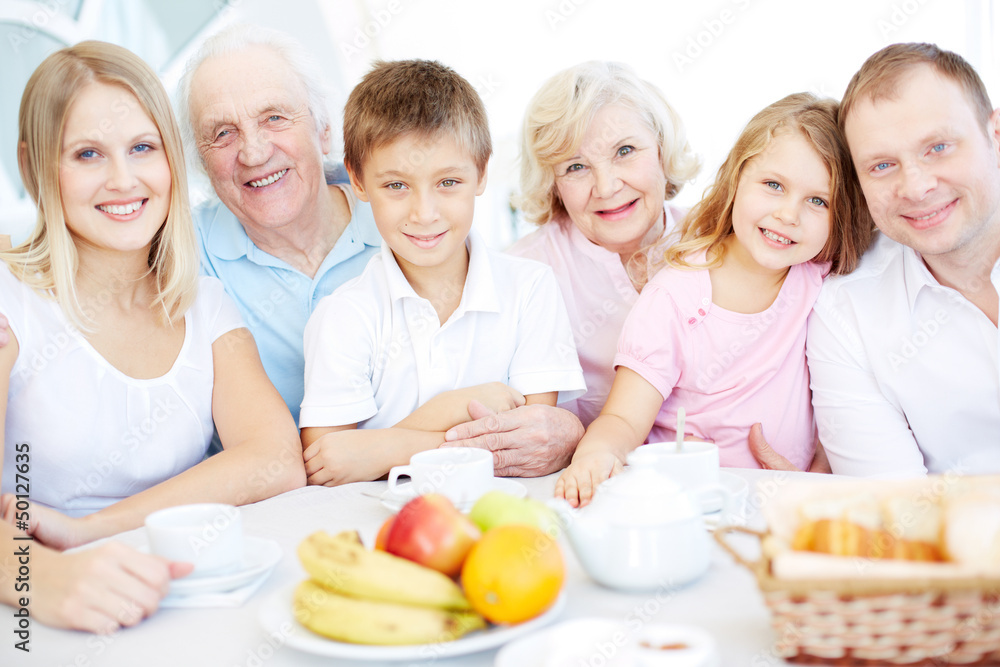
(257, 138)
(929, 171)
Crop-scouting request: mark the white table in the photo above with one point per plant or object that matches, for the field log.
(725, 602)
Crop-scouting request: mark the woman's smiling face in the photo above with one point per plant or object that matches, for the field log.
(613, 187)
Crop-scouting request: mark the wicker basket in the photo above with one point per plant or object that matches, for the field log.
(878, 622)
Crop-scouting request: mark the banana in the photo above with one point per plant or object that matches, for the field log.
(360, 621)
(344, 566)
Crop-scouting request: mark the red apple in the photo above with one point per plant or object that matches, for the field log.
(429, 530)
(383, 534)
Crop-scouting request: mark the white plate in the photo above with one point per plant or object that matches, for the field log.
(736, 485)
(276, 616)
(394, 499)
(259, 556)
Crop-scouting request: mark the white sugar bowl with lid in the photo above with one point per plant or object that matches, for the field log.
(641, 532)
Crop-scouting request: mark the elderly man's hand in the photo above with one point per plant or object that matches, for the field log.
(772, 460)
(528, 441)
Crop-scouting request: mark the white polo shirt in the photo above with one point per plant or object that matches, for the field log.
(375, 350)
(904, 371)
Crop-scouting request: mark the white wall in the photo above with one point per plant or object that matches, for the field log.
(718, 61)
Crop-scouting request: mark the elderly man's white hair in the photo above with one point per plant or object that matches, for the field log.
(237, 39)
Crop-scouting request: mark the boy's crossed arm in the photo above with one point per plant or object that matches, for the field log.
(340, 454)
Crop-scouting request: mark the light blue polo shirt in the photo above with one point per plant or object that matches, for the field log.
(275, 299)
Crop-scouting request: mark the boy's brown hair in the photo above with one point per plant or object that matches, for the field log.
(879, 77)
(404, 96)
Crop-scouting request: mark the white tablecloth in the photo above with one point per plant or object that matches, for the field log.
(725, 602)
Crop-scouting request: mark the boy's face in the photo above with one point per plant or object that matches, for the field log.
(422, 190)
(930, 173)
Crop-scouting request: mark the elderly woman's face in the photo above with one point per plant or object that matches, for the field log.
(257, 139)
(613, 187)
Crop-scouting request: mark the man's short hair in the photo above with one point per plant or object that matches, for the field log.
(879, 76)
(406, 96)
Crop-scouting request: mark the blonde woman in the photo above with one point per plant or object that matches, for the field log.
(122, 360)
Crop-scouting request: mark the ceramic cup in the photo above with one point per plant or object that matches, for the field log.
(210, 535)
(460, 473)
(695, 466)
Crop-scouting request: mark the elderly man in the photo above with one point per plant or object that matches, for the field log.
(283, 234)
(903, 352)
(286, 233)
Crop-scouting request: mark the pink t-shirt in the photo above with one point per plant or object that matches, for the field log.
(728, 370)
(598, 296)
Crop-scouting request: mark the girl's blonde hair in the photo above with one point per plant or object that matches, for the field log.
(48, 259)
(707, 225)
(560, 113)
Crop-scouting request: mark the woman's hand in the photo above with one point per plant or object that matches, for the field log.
(51, 528)
(579, 481)
(99, 590)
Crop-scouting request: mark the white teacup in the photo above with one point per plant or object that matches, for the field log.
(210, 535)
(695, 466)
(460, 473)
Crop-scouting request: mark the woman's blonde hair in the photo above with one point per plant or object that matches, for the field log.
(560, 113)
(710, 222)
(48, 259)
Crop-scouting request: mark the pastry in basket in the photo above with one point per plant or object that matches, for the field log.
(895, 527)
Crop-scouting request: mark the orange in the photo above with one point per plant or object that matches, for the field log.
(513, 573)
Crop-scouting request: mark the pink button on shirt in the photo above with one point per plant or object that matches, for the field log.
(598, 296)
(729, 370)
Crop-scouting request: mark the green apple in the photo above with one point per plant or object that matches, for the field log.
(498, 508)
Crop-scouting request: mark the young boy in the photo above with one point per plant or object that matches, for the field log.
(436, 319)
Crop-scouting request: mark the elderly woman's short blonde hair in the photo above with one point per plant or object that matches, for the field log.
(560, 113)
(47, 260)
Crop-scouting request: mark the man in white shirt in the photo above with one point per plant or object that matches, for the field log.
(903, 352)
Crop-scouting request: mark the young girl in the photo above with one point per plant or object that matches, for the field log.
(720, 330)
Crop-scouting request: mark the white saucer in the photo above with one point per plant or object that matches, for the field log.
(394, 499)
(736, 485)
(260, 555)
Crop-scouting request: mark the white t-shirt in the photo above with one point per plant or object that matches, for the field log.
(94, 434)
(904, 371)
(375, 350)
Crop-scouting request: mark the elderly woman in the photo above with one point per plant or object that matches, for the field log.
(602, 153)
(122, 360)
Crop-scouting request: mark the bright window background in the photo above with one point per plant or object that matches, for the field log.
(718, 61)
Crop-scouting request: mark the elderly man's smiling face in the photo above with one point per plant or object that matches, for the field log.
(257, 138)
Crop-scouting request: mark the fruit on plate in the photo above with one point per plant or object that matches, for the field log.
(363, 621)
(429, 530)
(341, 564)
(499, 508)
(383, 533)
(514, 573)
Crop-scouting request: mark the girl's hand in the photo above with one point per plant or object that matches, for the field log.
(99, 590)
(579, 481)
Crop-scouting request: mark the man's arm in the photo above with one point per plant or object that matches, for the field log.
(862, 431)
(529, 441)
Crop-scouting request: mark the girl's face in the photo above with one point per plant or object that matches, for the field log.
(781, 214)
(613, 187)
(114, 178)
